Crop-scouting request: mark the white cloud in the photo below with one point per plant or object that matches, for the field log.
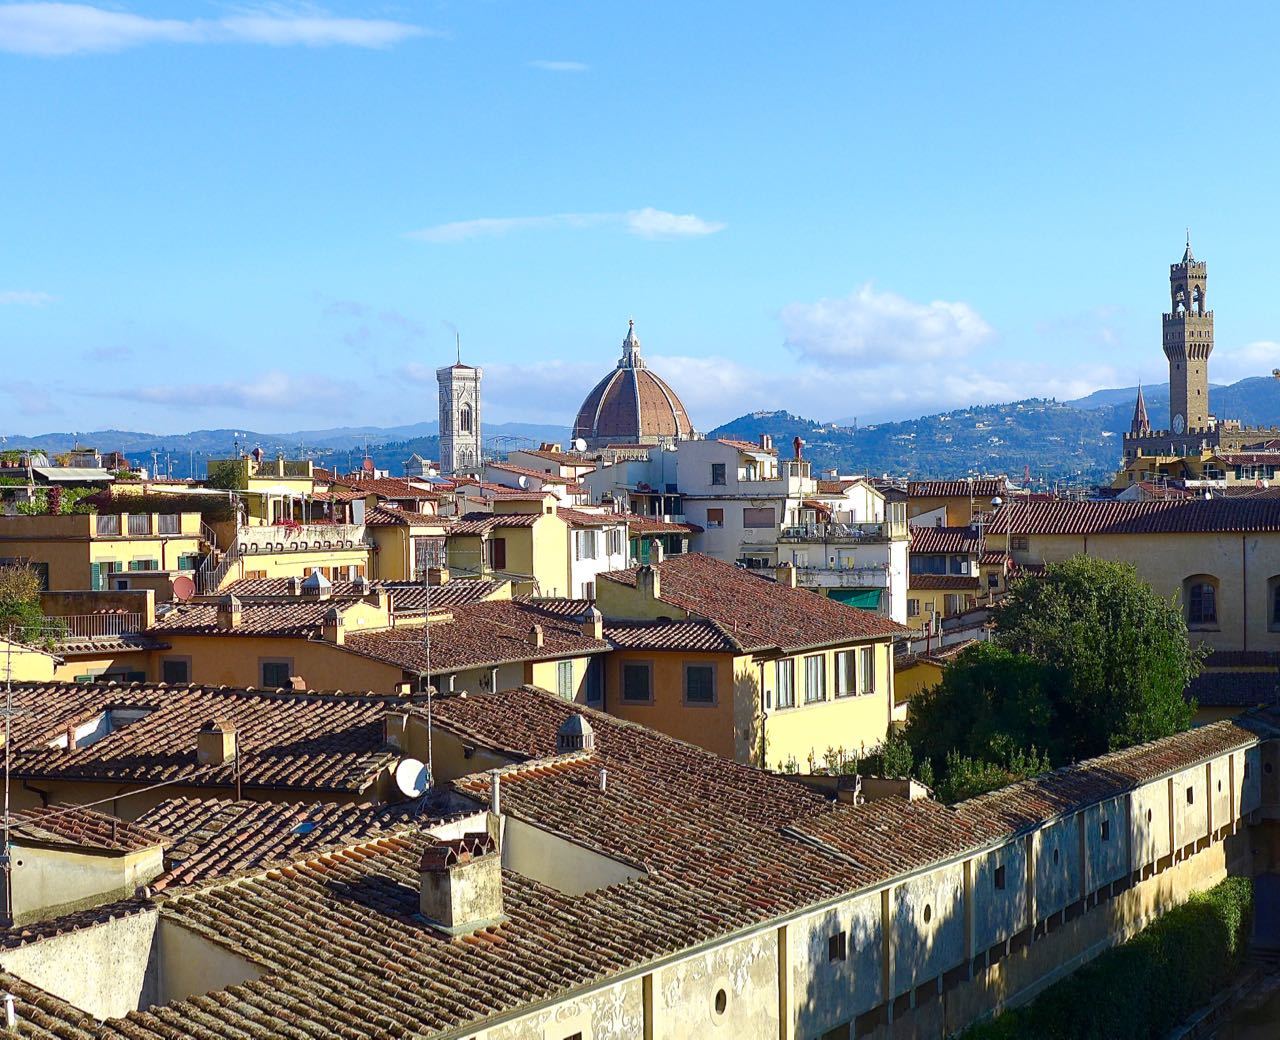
(645, 223)
(52, 29)
(879, 328)
(1253, 359)
(24, 298)
(559, 66)
(276, 390)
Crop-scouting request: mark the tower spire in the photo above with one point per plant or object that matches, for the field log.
(457, 338)
(1188, 257)
(1141, 425)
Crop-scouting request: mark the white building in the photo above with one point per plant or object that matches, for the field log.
(459, 419)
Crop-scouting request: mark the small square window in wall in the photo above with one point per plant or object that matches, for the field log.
(1000, 877)
(700, 684)
(1191, 796)
(175, 670)
(636, 682)
(837, 946)
(276, 674)
(1106, 830)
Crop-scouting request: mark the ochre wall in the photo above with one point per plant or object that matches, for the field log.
(235, 661)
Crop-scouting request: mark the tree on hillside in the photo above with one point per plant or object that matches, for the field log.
(1120, 652)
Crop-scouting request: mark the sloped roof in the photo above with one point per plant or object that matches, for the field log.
(483, 523)
(945, 540)
(1193, 516)
(81, 827)
(755, 611)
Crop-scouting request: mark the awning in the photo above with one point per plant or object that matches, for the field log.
(866, 599)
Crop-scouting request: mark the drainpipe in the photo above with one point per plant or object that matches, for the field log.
(1244, 588)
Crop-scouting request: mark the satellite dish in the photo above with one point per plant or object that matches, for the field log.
(579, 445)
(412, 778)
(183, 588)
(523, 482)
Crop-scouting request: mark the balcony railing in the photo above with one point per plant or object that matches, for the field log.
(834, 532)
(139, 523)
(77, 627)
(107, 524)
(843, 577)
(279, 538)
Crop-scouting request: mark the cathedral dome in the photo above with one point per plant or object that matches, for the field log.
(631, 405)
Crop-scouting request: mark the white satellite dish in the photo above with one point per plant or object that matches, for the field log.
(523, 482)
(412, 778)
(579, 445)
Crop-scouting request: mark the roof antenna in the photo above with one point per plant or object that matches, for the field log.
(458, 341)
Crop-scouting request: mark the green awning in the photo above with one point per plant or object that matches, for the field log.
(866, 599)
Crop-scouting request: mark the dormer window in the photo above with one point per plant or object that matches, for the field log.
(92, 730)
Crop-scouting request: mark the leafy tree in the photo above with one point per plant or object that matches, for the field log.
(968, 777)
(20, 615)
(228, 475)
(1118, 653)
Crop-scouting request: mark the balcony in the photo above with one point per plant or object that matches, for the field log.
(284, 538)
(79, 628)
(843, 577)
(833, 532)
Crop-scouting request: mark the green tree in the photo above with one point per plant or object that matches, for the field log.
(1118, 653)
(20, 615)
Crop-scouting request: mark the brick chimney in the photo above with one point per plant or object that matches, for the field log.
(229, 612)
(216, 743)
(461, 884)
(593, 624)
(649, 581)
(295, 586)
(785, 574)
(536, 636)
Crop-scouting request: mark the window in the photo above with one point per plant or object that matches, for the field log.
(188, 561)
(139, 523)
(951, 603)
(913, 608)
(175, 670)
(564, 679)
(276, 673)
(758, 517)
(144, 565)
(993, 580)
(815, 679)
(846, 673)
(785, 680)
(613, 544)
(700, 683)
(587, 549)
(717, 473)
(595, 680)
(838, 947)
(1273, 617)
(170, 523)
(867, 681)
(1106, 830)
(1191, 796)
(715, 517)
(999, 877)
(1200, 593)
(1019, 543)
(496, 554)
(464, 419)
(636, 682)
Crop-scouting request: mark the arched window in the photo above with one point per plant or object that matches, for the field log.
(1179, 301)
(1200, 595)
(464, 419)
(1197, 301)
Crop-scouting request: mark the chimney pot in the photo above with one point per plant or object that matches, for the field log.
(536, 636)
(229, 612)
(593, 624)
(216, 743)
(495, 792)
(461, 884)
(785, 574)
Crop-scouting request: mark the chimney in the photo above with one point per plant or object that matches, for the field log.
(656, 552)
(317, 585)
(295, 586)
(438, 576)
(216, 743)
(395, 725)
(575, 734)
(228, 612)
(297, 683)
(593, 624)
(363, 586)
(71, 736)
(766, 442)
(495, 793)
(334, 631)
(536, 636)
(649, 582)
(461, 884)
(785, 575)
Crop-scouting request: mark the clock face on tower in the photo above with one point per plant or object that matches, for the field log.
(1179, 424)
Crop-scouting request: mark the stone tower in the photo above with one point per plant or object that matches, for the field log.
(1188, 342)
(459, 419)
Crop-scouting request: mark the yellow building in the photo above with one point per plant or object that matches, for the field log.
(101, 550)
(750, 667)
(528, 548)
(915, 673)
(953, 503)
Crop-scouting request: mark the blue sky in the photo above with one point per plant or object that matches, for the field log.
(273, 215)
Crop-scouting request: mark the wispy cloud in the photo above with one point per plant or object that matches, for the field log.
(559, 66)
(24, 298)
(874, 328)
(644, 223)
(54, 29)
(113, 353)
(277, 390)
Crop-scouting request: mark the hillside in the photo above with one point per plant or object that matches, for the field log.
(1076, 440)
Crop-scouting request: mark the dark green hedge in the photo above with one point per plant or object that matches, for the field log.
(1145, 987)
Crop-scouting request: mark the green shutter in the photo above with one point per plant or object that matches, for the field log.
(865, 599)
(95, 578)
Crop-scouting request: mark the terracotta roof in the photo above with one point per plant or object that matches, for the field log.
(579, 518)
(1235, 689)
(293, 741)
(1250, 458)
(563, 457)
(979, 489)
(295, 618)
(454, 593)
(483, 523)
(940, 582)
(389, 516)
(746, 445)
(83, 828)
(756, 612)
(387, 487)
(1195, 516)
(945, 540)
(837, 487)
(642, 525)
(490, 633)
(335, 494)
(668, 635)
(525, 471)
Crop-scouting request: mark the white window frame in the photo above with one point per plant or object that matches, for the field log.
(815, 668)
(784, 681)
